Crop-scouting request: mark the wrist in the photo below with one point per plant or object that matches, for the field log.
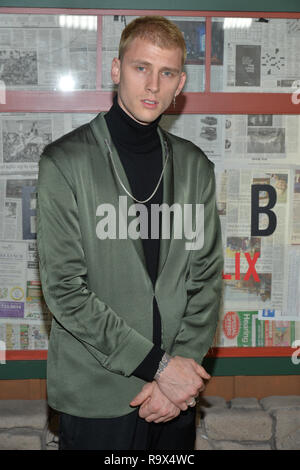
(164, 362)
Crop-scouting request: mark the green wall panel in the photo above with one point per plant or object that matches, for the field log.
(217, 5)
(216, 367)
(251, 366)
(17, 370)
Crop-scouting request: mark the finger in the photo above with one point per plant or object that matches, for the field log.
(142, 396)
(151, 418)
(166, 419)
(139, 399)
(183, 406)
(200, 388)
(145, 409)
(202, 372)
(180, 403)
(156, 417)
(162, 419)
(144, 414)
(149, 414)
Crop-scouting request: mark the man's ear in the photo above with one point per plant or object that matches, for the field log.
(116, 71)
(181, 83)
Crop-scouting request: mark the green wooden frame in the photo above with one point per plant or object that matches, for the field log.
(211, 5)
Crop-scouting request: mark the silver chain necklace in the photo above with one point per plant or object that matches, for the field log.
(120, 181)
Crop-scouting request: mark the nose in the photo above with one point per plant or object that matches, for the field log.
(152, 83)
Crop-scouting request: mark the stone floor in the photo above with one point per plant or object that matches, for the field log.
(272, 423)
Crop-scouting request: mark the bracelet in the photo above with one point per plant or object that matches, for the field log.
(162, 365)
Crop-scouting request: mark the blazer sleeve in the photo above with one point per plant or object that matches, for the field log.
(203, 285)
(63, 272)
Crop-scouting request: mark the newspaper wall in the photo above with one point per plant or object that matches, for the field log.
(24, 316)
(261, 305)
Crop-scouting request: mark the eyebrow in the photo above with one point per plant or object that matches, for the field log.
(143, 62)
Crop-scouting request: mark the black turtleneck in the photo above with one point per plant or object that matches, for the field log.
(140, 152)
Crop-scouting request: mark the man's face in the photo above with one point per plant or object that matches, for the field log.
(148, 78)
(281, 186)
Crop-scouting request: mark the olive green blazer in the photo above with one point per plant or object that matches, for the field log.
(99, 291)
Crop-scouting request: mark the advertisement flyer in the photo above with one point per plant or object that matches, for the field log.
(12, 279)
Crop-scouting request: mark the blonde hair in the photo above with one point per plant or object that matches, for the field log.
(156, 29)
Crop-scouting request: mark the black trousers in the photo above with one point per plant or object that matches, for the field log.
(128, 432)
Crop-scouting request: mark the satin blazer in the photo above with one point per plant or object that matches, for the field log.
(98, 289)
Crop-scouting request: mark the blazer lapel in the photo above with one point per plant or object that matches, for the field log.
(168, 198)
(102, 134)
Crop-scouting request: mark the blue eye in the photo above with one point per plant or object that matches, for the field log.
(167, 73)
(140, 68)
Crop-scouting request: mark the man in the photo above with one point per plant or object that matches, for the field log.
(133, 314)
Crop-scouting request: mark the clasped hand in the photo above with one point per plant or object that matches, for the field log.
(164, 398)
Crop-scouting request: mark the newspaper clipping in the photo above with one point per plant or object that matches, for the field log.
(36, 51)
(261, 58)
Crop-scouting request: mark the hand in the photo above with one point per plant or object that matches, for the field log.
(155, 406)
(181, 381)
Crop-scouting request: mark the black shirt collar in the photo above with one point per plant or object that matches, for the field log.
(130, 134)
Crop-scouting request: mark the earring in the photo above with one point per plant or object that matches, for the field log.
(174, 101)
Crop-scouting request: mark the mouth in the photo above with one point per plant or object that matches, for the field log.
(150, 104)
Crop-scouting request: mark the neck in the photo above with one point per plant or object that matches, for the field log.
(130, 134)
